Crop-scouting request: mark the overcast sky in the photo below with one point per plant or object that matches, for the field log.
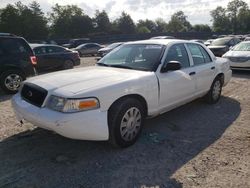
(196, 10)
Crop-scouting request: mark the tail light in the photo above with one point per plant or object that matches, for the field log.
(77, 54)
(33, 60)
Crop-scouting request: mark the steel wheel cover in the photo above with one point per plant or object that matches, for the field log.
(13, 82)
(130, 124)
(216, 90)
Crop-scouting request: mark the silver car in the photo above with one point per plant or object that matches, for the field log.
(88, 49)
(239, 56)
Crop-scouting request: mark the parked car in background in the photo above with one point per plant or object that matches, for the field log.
(73, 43)
(110, 101)
(17, 62)
(239, 56)
(221, 45)
(88, 49)
(208, 42)
(103, 51)
(247, 39)
(54, 57)
(197, 40)
(163, 37)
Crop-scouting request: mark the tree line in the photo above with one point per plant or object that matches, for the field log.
(70, 21)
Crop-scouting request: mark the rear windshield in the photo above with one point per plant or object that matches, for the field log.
(14, 46)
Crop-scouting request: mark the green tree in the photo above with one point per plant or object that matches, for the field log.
(161, 25)
(69, 21)
(202, 28)
(233, 9)
(27, 21)
(149, 24)
(221, 22)
(125, 24)
(142, 29)
(243, 20)
(179, 23)
(38, 21)
(102, 22)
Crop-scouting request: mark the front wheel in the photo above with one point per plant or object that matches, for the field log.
(126, 118)
(214, 93)
(11, 80)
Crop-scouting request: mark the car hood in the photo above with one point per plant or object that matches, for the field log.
(86, 79)
(237, 54)
(216, 47)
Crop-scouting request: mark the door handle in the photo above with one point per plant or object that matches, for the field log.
(192, 73)
(212, 68)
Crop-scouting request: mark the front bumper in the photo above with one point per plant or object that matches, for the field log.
(87, 125)
(240, 65)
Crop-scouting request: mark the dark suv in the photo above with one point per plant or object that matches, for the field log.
(17, 62)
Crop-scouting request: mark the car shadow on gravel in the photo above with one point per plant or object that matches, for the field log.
(4, 96)
(41, 158)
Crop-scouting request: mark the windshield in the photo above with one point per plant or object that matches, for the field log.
(220, 42)
(242, 47)
(133, 56)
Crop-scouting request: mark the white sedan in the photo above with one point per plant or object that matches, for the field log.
(239, 56)
(111, 100)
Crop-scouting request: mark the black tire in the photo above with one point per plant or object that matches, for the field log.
(68, 64)
(116, 115)
(214, 94)
(5, 81)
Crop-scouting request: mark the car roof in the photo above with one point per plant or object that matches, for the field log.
(35, 45)
(159, 41)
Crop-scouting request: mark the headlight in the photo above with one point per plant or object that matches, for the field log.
(72, 105)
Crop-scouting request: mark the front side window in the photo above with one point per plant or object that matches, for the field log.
(54, 49)
(134, 56)
(205, 54)
(178, 53)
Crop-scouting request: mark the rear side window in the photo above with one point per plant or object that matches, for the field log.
(40, 50)
(14, 46)
(206, 56)
(54, 49)
(178, 52)
(198, 56)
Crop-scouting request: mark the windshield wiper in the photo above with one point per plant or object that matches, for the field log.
(121, 66)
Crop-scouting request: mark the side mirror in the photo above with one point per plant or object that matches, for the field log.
(171, 66)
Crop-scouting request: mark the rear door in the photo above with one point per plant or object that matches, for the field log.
(176, 87)
(41, 57)
(204, 67)
(55, 56)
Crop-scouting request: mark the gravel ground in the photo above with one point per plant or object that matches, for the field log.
(197, 145)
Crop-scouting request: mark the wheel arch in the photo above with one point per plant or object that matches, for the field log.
(221, 76)
(9, 68)
(138, 97)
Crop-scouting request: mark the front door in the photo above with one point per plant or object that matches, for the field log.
(176, 87)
